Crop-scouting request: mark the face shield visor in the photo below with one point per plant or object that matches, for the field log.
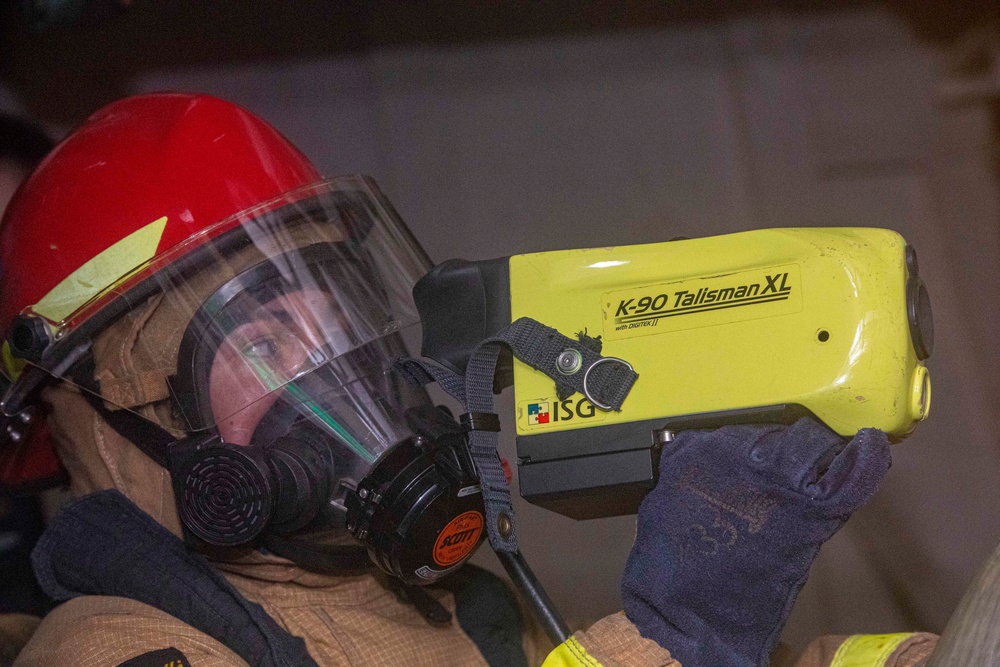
(302, 337)
(335, 252)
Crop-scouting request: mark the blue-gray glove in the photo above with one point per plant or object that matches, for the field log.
(726, 539)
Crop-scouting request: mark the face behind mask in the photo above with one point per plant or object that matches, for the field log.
(348, 453)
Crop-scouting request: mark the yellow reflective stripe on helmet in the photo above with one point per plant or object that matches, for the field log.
(868, 650)
(570, 654)
(12, 366)
(101, 272)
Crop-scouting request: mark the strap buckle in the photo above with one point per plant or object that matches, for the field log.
(586, 376)
(480, 421)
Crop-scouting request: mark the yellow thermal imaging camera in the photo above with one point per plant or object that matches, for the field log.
(759, 326)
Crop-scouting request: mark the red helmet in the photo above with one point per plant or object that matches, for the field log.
(171, 164)
(138, 178)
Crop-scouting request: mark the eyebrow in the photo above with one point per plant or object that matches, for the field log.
(282, 315)
(279, 313)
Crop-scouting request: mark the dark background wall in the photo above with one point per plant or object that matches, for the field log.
(68, 57)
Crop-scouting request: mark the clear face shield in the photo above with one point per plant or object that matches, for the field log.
(273, 349)
(282, 381)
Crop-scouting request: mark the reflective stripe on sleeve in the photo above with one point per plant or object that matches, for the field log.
(570, 654)
(868, 650)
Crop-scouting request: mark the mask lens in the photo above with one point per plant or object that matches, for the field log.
(356, 399)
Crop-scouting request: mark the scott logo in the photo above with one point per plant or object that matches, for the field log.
(458, 538)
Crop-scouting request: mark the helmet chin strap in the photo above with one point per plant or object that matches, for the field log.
(152, 439)
(339, 559)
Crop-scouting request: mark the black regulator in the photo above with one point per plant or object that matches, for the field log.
(420, 511)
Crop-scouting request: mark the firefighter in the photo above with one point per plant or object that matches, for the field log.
(212, 327)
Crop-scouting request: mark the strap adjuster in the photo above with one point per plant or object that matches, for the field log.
(480, 421)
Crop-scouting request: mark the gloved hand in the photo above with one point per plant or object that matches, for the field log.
(726, 539)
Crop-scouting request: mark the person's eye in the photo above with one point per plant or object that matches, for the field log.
(262, 349)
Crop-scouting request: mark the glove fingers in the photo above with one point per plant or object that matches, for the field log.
(792, 454)
(806, 457)
(855, 473)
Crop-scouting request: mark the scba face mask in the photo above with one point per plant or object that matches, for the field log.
(314, 441)
(348, 452)
(298, 434)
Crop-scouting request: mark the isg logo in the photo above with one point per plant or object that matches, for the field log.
(538, 413)
(546, 412)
